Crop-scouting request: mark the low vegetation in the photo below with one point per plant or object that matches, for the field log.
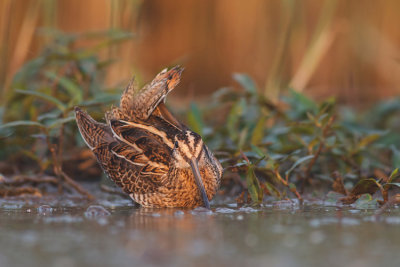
(293, 147)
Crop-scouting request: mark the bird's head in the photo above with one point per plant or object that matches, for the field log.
(188, 148)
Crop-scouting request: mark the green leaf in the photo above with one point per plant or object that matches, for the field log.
(2, 111)
(328, 106)
(366, 202)
(51, 115)
(43, 96)
(271, 188)
(233, 119)
(59, 122)
(301, 103)
(72, 88)
(391, 184)
(243, 137)
(298, 162)
(395, 156)
(101, 99)
(22, 123)
(258, 132)
(368, 140)
(333, 197)
(253, 185)
(393, 175)
(246, 82)
(258, 151)
(195, 119)
(365, 186)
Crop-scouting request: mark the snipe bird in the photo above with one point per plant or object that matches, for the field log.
(146, 151)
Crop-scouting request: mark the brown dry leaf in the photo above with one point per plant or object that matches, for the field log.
(240, 199)
(21, 191)
(338, 186)
(265, 189)
(364, 186)
(381, 174)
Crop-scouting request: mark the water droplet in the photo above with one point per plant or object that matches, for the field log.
(11, 206)
(393, 220)
(350, 221)
(179, 213)
(44, 210)
(248, 209)
(354, 211)
(201, 210)
(225, 210)
(94, 211)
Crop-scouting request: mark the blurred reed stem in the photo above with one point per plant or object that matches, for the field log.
(5, 8)
(275, 80)
(23, 42)
(321, 41)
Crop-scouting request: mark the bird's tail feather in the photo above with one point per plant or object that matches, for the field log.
(93, 132)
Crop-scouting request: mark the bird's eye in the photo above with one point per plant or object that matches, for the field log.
(176, 144)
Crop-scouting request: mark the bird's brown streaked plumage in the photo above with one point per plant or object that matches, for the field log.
(146, 151)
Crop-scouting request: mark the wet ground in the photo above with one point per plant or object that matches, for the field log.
(113, 232)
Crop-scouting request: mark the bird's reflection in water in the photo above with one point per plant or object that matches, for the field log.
(159, 235)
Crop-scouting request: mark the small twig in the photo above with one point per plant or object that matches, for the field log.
(76, 186)
(338, 185)
(60, 173)
(317, 153)
(61, 142)
(286, 183)
(20, 191)
(56, 167)
(112, 190)
(314, 159)
(22, 179)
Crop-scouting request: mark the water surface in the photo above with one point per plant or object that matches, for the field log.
(113, 232)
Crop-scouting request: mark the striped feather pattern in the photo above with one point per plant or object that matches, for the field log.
(146, 151)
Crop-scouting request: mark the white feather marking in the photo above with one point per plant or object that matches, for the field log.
(123, 157)
(152, 173)
(124, 140)
(80, 131)
(153, 130)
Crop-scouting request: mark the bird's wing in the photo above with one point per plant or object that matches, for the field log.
(141, 147)
(139, 104)
(130, 156)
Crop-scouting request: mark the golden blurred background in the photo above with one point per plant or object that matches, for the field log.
(346, 49)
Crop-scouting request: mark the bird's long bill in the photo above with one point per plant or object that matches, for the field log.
(199, 182)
